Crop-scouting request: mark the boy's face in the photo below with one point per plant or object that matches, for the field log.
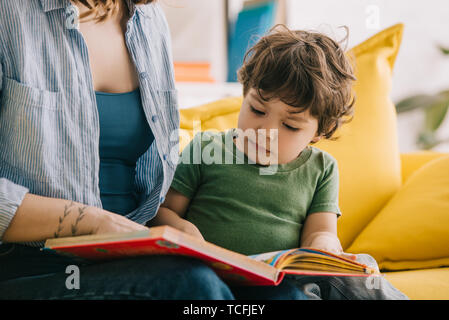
(292, 131)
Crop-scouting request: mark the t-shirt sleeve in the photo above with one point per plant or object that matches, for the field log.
(187, 177)
(325, 198)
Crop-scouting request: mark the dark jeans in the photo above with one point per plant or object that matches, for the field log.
(28, 273)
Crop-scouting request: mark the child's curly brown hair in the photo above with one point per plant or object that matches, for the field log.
(303, 69)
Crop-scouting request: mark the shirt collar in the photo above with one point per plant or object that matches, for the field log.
(49, 5)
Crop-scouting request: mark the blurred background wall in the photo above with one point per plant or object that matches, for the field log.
(420, 67)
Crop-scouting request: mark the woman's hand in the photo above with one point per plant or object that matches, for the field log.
(109, 222)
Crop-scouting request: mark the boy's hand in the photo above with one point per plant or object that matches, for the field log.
(189, 228)
(330, 243)
(320, 231)
(167, 217)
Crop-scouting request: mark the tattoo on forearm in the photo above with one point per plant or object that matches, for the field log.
(81, 215)
(61, 219)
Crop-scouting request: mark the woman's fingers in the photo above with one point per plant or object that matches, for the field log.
(109, 222)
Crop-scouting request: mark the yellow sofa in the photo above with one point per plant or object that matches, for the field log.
(394, 206)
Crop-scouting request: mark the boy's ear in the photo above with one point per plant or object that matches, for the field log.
(316, 139)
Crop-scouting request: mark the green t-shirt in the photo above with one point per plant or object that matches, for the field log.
(242, 206)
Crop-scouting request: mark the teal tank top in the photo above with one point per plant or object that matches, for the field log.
(124, 136)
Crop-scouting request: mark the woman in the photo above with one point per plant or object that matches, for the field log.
(88, 145)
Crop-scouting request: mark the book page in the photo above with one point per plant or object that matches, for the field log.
(271, 258)
(313, 259)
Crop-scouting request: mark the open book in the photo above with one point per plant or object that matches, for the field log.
(232, 267)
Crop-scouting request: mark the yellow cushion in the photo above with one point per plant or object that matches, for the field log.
(412, 231)
(219, 115)
(412, 161)
(367, 153)
(425, 284)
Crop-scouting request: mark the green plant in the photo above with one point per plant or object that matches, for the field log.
(435, 109)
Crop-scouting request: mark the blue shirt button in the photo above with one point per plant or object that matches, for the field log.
(162, 199)
(143, 75)
(165, 157)
(154, 118)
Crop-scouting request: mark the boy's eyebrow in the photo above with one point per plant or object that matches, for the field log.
(299, 119)
(296, 118)
(256, 96)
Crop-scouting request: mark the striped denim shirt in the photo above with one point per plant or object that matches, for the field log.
(49, 125)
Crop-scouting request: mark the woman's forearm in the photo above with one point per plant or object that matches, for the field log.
(39, 218)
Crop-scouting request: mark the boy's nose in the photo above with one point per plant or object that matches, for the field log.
(267, 134)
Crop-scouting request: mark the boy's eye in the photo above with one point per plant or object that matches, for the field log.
(257, 111)
(290, 128)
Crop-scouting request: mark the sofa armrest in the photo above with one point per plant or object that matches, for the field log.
(412, 161)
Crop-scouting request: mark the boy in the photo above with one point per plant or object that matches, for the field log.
(297, 89)
(261, 187)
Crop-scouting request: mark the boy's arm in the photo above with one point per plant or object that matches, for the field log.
(185, 183)
(320, 232)
(171, 213)
(172, 210)
(176, 201)
(321, 225)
